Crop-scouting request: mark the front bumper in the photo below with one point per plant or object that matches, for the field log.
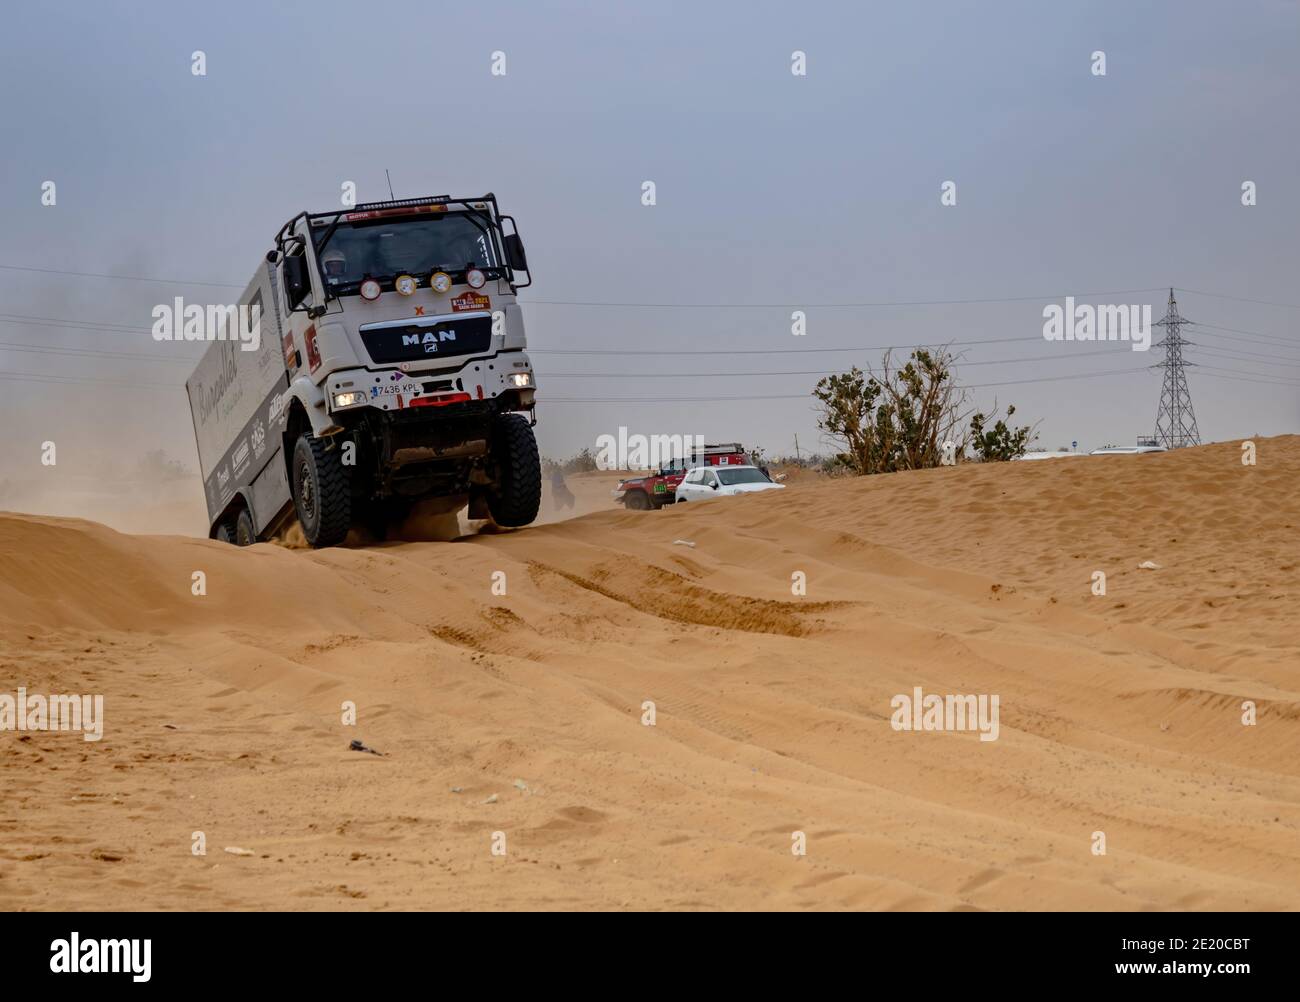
(505, 378)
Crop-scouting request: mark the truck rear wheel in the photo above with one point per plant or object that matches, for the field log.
(517, 494)
(245, 534)
(322, 495)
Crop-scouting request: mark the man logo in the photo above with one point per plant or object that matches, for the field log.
(429, 339)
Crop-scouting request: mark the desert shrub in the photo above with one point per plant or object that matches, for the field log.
(903, 417)
(998, 443)
(583, 462)
(898, 419)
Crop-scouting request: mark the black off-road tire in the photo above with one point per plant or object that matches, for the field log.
(225, 533)
(516, 497)
(322, 493)
(637, 501)
(245, 534)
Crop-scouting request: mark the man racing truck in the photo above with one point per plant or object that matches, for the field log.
(391, 368)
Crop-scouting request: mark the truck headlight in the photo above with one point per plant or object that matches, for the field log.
(349, 399)
(521, 378)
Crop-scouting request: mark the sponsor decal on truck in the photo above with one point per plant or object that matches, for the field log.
(470, 300)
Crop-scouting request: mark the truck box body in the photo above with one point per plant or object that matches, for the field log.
(232, 392)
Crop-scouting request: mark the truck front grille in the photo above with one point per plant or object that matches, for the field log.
(462, 336)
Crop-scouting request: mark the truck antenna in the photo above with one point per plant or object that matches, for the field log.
(391, 196)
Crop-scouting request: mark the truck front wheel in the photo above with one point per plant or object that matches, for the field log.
(322, 495)
(517, 495)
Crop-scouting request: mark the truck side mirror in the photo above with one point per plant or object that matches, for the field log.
(296, 285)
(515, 255)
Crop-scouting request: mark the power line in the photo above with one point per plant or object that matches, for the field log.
(689, 306)
(1230, 341)
(1258, 377)
(811, 372)
(41, 377)
(694, 306)
(61, 350)
(1210, 371)
(119, 278)
(74, 351)
(107, 327)
(808, 396)
(1240, 299)
(1281, 338)
(1240, 354)
(75, 325)
(101, 325)
(773, 351)
(1248, 356)
(813, 305)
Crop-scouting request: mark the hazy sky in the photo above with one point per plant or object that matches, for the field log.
(797, 191)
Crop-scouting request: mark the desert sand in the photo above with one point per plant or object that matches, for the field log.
(1119, 714)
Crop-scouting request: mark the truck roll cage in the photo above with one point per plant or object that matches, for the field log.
(489, 220)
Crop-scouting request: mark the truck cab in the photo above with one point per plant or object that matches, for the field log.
(405, 370)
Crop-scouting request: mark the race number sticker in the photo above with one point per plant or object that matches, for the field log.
(467, 301)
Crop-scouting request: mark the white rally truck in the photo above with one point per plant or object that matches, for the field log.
(391, 369)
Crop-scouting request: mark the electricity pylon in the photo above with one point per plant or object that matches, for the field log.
(1175, 421)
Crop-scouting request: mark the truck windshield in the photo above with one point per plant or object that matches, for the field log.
(414, 245)
(730, 478)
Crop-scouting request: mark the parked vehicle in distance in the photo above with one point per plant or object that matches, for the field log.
(1057, 454)
(659, 488)
(706, 482)
(1127, 450)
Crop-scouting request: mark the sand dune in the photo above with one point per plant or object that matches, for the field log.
(1120, 714)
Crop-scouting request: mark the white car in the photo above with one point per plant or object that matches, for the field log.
(1126, 450)
(1059, 454)
(705, 482)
